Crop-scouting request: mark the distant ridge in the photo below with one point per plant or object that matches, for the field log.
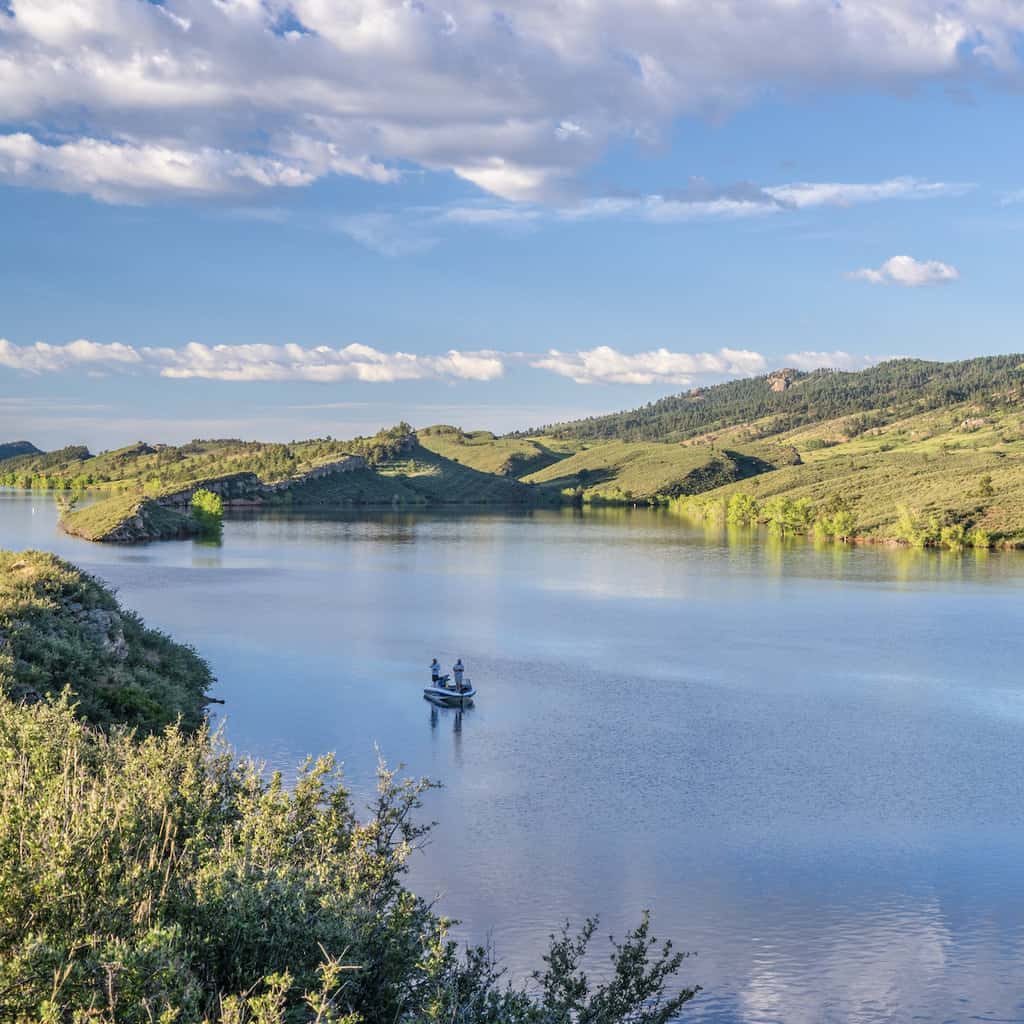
(793, 399)
(12, 449)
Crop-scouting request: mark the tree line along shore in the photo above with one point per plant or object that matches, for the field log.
(909, 451)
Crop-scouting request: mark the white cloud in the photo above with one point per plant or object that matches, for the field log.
(415, 229)
(254, 362)
(498, 215)
(44, 358)
(122, 172)
(606, 365)
(908, 272)
(700, 199)
(321, 364)
(202, 96)
(807, 193)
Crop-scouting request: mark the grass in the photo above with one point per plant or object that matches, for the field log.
(64, 629)
(635, 470)
(440, 480)
(930, 462)
(357, 487)
(503, 456)
(126, 517)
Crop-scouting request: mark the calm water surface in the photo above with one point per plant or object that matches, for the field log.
(807, 763)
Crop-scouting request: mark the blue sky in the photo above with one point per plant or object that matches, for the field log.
(451, 213)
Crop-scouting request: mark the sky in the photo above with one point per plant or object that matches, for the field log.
(276, 220)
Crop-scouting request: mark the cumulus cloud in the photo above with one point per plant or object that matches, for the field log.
(908, 272)
(126, 172)
(606, 365)
(254, 362)
(44, 358)
(198, 96)
(322, 363)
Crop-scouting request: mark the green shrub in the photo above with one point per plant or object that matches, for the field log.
(979, 538)
(916, 531)
(842, 524)
(743, 510)
(165, 880)
(208, 513)
(952, 536)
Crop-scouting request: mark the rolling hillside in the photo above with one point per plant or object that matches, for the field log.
(909, 449)
(788, 399)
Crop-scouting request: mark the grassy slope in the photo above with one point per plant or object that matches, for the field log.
(615, 470)
(62, 628)
(606, 471)
(928, 462)
(359, 487)
(103, 518)
(441, 480)
(504, 456)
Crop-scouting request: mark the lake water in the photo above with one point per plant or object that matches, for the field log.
(809, 763)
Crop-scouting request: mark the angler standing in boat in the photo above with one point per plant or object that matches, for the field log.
(459, 693)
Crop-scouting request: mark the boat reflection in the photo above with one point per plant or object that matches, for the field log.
(454, 713)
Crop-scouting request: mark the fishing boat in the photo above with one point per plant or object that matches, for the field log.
(444, 692)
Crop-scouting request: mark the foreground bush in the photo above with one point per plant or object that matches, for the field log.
(165, 880)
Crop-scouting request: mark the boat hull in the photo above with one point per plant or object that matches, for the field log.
(449, 698)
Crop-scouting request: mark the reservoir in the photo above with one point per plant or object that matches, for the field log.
(807, 761)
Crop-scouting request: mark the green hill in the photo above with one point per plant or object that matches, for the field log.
(480, 449)
(910, 450)
(907, 449)
(444, 481)
(63, 628)
(625, 471)
(788, 399)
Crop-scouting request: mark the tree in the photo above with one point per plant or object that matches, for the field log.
(742, 510)
(208, 513)
(952, 536)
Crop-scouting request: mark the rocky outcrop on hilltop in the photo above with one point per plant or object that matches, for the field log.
(782, 380)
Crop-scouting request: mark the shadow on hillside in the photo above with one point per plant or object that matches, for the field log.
(586, 478)
(448, 481)
(748, 465)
